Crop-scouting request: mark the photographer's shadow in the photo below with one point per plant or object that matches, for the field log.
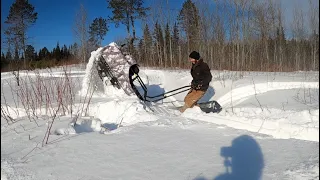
(243, 160)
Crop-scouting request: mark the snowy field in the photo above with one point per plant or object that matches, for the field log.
(268, 129)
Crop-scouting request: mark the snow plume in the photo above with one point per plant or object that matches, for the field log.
(119, 64)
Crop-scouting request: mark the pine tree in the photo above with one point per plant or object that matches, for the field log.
(8, 56)
(74, 49)
(167, 37)
(21, 17)
(57, 53)
(46, 54)
(43, 54)
(175, 42)
(147, 39)
(189, 20)
(3, 58)
(97, 30)
(65, 52)
(141, 51)
(126, 12)
(40, 55)
(4, 62)
(158, 36)
(30, 53)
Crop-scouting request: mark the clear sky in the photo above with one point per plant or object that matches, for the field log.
(56, 19)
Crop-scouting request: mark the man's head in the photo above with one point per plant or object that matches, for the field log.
(194, 57)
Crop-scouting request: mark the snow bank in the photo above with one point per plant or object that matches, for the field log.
(291, 122)
(238, 95)
(286, 123)
(299, 120)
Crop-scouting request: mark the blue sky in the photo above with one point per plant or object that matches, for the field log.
(56, 19)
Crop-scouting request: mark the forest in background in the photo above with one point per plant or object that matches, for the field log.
(241, 35)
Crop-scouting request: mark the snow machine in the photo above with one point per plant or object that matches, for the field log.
(104, 70)
(108, 66)
(142, 92)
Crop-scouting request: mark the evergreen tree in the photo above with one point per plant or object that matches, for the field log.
(97, 30)
(65, 52)
(189, 20)
(141, 51)
(21, 17)
(46, 54)
(74, 49)
(4, 62)
(175, 42)
(57, 53)
(30, 53)
(158, 36)
(40, 55)
(8, 56)
(43, 54)
(167, 37)
(3, 58)
(147, 40)
(126, 12)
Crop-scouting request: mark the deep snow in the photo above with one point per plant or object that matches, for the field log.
(268, 128)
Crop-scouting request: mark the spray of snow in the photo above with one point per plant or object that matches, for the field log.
(119, 64)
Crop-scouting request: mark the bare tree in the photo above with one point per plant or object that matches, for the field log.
(80, 30)
(298, 31)
(314, 27)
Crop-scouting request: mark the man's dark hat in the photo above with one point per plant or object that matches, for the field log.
(194, 55)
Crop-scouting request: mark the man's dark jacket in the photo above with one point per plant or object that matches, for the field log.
(201, 75)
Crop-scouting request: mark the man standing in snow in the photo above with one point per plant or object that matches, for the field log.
(201, 75)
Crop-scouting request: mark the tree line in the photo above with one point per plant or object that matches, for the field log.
(42, 59)
(21, 55)
(243, 35)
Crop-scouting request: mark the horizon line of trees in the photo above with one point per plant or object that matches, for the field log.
(42, 59)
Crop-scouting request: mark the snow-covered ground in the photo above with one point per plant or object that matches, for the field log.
(268, 128)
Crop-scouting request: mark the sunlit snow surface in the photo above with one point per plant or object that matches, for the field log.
(271, 116)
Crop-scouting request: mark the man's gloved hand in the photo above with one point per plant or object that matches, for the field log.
(196, 86)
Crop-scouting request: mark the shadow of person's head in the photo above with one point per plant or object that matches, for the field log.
(243, 160)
